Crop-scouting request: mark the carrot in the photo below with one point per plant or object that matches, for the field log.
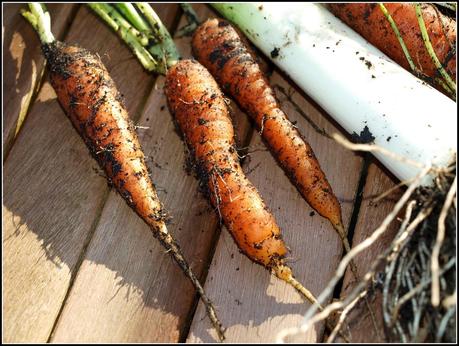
(200, 111)
(223, 51)
(90, 99)
(370, 21)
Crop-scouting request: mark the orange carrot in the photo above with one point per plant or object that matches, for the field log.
(93, 104)
(90, 99)
(370, 22)
(200, 111)
(223, 51)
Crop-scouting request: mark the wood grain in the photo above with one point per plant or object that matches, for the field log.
(23, 63)
(362, 326)
(253, 305)
(138, 294)
(53, 194)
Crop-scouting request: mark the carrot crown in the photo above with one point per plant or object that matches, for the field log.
(39, 17)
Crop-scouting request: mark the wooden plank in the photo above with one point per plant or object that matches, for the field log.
(23, 63)
(253, 305)
(53, 194)
(128, 289)
(362, 326)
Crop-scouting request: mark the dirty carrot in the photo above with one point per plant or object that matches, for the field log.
(224, 52)
(201, 113)
(90, 99)
(391, 26)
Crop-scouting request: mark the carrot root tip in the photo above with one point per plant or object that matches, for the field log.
(285, 274)
(342, 233)
(347, 247)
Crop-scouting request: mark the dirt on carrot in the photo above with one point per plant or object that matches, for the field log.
(224, 51)
(202, 115)
(93, 104)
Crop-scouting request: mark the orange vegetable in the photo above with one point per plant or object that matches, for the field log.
(200, 111)
(93, 104)
(224, 52)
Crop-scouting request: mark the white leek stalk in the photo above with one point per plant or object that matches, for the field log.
(353, 81)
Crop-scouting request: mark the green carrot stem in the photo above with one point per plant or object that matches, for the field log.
(166, 48)
(151, 17)
(40, 20)
(130, 13)
(116, 20)
(399, 37)
(126, 32)
(154, 57)
(425, 37)
(192, 19)
(440, 82)
(190, 14)
(103, 11)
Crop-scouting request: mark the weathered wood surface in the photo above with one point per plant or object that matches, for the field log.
(80, 266)
(23, 63)
(255, 306)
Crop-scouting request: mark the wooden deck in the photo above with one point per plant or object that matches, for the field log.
(80, 266)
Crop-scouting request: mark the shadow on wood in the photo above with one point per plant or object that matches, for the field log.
(23, 63)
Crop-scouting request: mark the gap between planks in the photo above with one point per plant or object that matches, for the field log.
(366, 161)
(360, 319)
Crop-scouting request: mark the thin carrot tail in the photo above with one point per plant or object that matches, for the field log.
(173, 248)
(347, 247)
(285, 273)
(342, 233)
